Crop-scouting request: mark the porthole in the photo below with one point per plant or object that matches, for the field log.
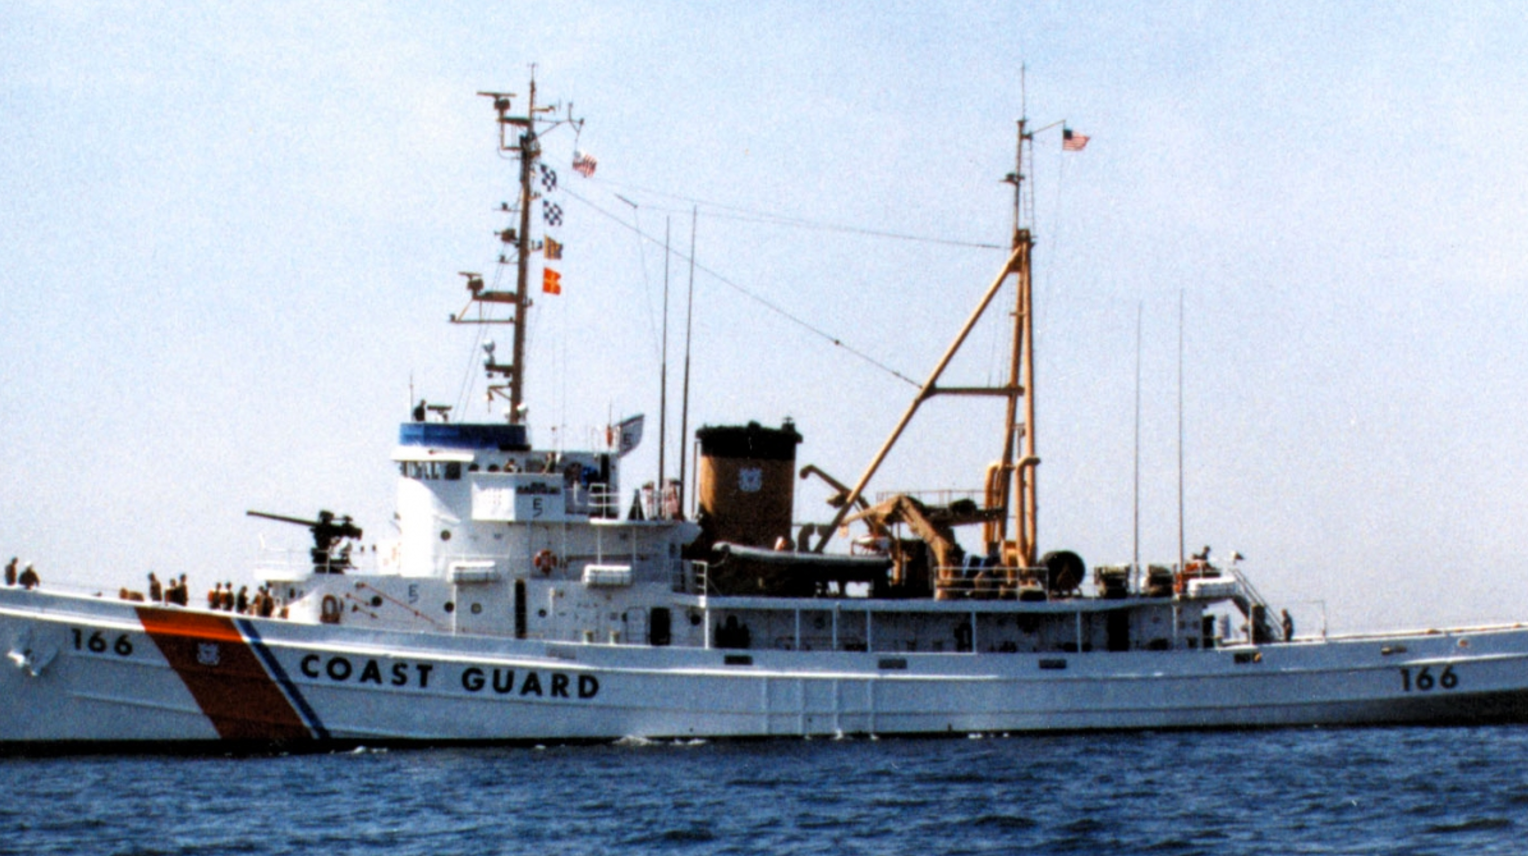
(445, 534)
(477, 609)
(450, 607)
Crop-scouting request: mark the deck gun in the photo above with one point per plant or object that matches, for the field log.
(327, 530)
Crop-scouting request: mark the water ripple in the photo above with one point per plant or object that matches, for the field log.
(1352, 791)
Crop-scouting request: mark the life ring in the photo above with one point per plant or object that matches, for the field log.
(545, 561)
(330, 610)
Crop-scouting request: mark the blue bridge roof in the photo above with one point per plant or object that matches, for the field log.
(464, 435)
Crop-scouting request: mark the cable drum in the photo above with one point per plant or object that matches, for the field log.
(1064, 571)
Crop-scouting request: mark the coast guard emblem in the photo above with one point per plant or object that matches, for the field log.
(207, 653)
(750, 480)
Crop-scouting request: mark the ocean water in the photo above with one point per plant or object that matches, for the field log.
(1380, 790)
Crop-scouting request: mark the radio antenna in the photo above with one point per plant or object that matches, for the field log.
(1181, 564)
(689, 314)
(1135, 561)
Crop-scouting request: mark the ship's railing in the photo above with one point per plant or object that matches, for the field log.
(991, 582)
(1259, 619)
(1308, 613)
(595, 500)
(1251, 592)
(280, 562)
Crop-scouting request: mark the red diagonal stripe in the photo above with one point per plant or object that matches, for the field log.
(235, 692)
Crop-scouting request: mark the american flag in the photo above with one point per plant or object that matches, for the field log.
(1071, 141)
(584, 163)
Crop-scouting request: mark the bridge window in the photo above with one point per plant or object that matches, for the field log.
(430, 470)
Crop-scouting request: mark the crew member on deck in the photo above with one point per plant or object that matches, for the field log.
(29, 578)
(1289, 625)
(156, 591)
(10, 572)
(264, 605)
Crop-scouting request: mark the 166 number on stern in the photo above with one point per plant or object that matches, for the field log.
(1423, 679)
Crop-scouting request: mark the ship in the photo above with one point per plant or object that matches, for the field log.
(525, 601)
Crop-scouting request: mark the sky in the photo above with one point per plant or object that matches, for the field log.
(230, 239)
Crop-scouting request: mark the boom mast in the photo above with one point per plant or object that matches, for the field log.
(1021, 384)
(1011, 481)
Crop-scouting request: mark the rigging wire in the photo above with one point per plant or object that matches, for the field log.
(1057, 217)
(561, 436)
(747, 215)
(779, 310)
(647, 289)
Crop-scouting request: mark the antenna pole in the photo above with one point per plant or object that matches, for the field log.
(1181, 564)
(1018, 177)
(689, 314)
(1135, 560)
(663, 376)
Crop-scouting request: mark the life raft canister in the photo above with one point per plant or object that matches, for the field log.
(545, 561)
(1195, 569)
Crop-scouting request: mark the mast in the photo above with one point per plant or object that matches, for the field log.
(525, 143)
(1021, 374)
(529, 150)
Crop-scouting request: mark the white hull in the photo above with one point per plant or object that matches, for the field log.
(172, 676)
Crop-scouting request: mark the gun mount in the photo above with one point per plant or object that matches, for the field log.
(327, 531)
